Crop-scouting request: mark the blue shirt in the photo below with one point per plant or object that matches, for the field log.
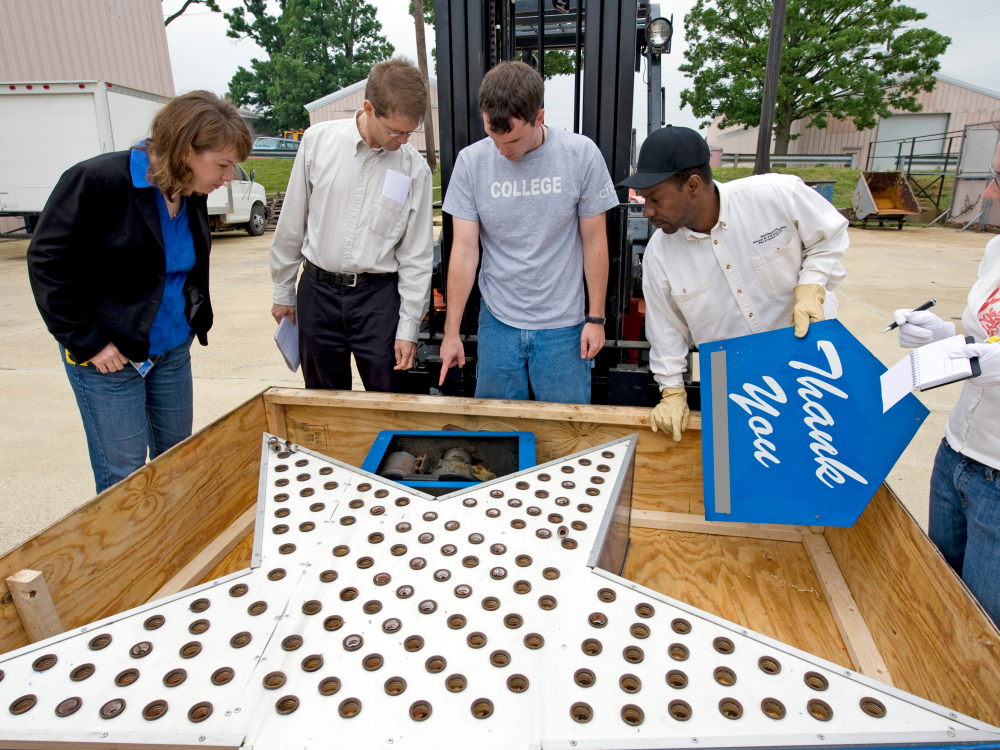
(170, 328)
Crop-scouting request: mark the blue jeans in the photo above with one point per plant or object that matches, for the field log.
(125, 415)
(965, 522)
(550, 359)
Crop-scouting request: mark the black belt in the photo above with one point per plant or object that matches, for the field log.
(343, 279)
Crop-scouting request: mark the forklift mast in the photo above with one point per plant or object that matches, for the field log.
(607, 39)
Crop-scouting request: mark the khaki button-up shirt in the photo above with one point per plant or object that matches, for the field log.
(336, 216)
(773, 234)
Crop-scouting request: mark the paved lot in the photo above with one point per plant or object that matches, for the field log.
(47, 472)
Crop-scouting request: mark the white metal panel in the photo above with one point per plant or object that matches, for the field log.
(131, 117)
(908, 126)
(538, 717)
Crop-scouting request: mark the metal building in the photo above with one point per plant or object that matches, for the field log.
(344, 103)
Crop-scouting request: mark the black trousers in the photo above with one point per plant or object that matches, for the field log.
(335, 321)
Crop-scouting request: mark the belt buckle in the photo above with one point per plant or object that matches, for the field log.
(354, 279)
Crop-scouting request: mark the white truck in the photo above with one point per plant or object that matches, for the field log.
(47, 127)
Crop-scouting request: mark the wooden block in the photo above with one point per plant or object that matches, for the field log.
(239, 559)
(652, 519)
(194, 572)
(276, 419)
(34, 605)
(853, 629)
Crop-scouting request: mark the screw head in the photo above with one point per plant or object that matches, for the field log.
(201, 739)
(573, 743)
(695, 739)
(104, 735)
(846, 672)
(951, 734)
(229, 713)
(236, 710)
(389, 741)
(953, 715)
(819, 735)
(83, 630)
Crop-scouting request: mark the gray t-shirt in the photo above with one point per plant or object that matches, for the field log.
(532, 271)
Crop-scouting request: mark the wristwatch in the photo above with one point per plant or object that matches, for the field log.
(599, 321)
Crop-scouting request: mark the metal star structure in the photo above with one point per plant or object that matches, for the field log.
(376, 617)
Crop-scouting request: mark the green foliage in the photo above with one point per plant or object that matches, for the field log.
(315, 47)
(841, 58)
(273, 174)
(561, 63)
(212, 5)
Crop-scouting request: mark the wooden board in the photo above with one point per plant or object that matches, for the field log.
(933, 636)
(766, 585)
(236, 560)
(117, 550)
(655, 519)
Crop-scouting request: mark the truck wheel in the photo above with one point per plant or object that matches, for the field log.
(258, 221)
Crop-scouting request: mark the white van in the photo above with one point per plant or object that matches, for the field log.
(239, 204)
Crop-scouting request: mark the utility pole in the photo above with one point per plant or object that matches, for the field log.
(771, 75)
(418, 20)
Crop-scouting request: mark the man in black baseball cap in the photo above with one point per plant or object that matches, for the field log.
(730, 259)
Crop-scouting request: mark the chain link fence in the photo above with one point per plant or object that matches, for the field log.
(967, 207)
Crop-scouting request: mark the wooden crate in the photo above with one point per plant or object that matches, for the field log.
(877, 597)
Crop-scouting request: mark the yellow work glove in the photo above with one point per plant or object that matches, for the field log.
(672, 413)
(808, 308)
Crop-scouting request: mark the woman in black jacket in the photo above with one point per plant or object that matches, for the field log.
(119, 269)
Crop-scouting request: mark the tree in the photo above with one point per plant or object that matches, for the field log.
(430, 19)
(210, 4)
(419, 19)
(841, 58)
(314, 47)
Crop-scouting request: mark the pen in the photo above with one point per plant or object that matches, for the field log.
(925, 306)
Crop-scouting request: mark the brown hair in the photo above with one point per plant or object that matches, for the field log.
(198, 120)
(395, 87)
(511, 89)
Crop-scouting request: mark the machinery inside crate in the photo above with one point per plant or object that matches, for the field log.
(439, 462)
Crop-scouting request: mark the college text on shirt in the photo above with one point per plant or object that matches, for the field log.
(534, 186)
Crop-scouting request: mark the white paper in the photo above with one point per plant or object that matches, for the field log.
(934, 366)
(897, 381)
(396, 186)
(287, 339)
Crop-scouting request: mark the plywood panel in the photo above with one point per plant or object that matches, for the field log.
(115, 552)
(766, 585)
(238, 559)
(667, 475)
(935, 639)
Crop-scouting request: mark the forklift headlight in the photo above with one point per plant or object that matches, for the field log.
(658, 33)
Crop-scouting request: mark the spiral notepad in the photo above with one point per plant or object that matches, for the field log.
(928, 367)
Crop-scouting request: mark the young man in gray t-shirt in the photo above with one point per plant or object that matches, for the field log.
(537, 198)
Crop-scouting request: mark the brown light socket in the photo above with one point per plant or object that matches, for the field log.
(630, 683)
(348, 520)
(283, 482)
(555, 518)
(403, 526)
(498, 573)
(534, 511)
(281, 497)
(541, 494)
(418, 563)
(581, 712)
(456, 683)
(562, 501)
(376, 537)
(430, 516)
(81, 673)
(773, 708)
(302, 462)
(442, 575)
(281, 467)
(44, 663)
(329, 686)
(333, 622)
(348, 594)
(281, 528)
(274, 680)
(632, 715)
(543, 533)
(568, 543)
(550, 574)
(547, 602)
(731, 708)
(126, 677)
(476, 640)
(584, 507)
(451, 525)
(99, 641)
(349, 708)
(286, 705)
(534, 641)
(518, 523)
(523, 561)
(457, 622)
(724, 645)
(593, 491)
(315, 507)
(392, 625)
(353, 642)
(724, 676)
(141, 649)
(819, 710)
(514, 502)
(597, 619)
(522, 485)
(68, 707)
(402, 501)
(436, 664)
(174, 677)
(276, 575)
(398, 550)
(341, 550)
(282, 513)
(513, 621)
(355, 504)
(420, 710)
(476, 538)
(223, 675)
(395, 686)
(413, 643)
(491, 604)
(517, 683)
(579, 526)
(23, 704)
(873, 707)
(154, 622)
(425, 538)
(326, 471)
(544, 478)
(522, 587)
(312, 663)
(633, 654)
(463, 591)
(500, 658)
(427, 607)
(592, 647)
(112, 708)
(312, 607)
(677, 679)
(240, 589)
(678, 652)
(364, 487)
(568, 485)
(372, 607)
(584, 678)
(493, 513)
(679, 710)
(404, 592)
(286, 549)
(381, 493)
(816, 681)
(448, 550)
(470, 502)
(372, 662)
(190, 650)
(597, 480)
(639, 630)
(328, 576)
(482, 708)
(607, 595)
(365, 562)
(154, 710)
(470, 562)
(644, 610)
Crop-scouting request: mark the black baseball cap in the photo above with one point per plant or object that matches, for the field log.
(664, 153)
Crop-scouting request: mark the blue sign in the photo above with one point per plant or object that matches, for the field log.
(793, 430)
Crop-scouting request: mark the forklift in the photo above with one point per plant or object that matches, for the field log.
(614, 39)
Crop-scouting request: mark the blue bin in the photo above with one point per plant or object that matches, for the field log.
(823, 187)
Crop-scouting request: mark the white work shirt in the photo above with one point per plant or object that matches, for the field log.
(973, 427)
(336, 216)
(773, 234)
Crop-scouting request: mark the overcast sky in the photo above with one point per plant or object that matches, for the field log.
(203, 57)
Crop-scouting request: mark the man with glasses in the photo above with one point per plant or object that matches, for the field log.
(358, 215)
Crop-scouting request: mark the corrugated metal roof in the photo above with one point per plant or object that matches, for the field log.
(966, 85)
(347, 91)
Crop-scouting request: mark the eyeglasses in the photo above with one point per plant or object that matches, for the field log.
(407, 133)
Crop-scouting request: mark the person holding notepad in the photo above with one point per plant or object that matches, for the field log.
(965, 483)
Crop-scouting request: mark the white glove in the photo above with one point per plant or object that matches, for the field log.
(989, 362)
(917, 328)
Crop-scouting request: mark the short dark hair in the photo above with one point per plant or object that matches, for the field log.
(511, 90)
(704, 171)
(395, 87)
